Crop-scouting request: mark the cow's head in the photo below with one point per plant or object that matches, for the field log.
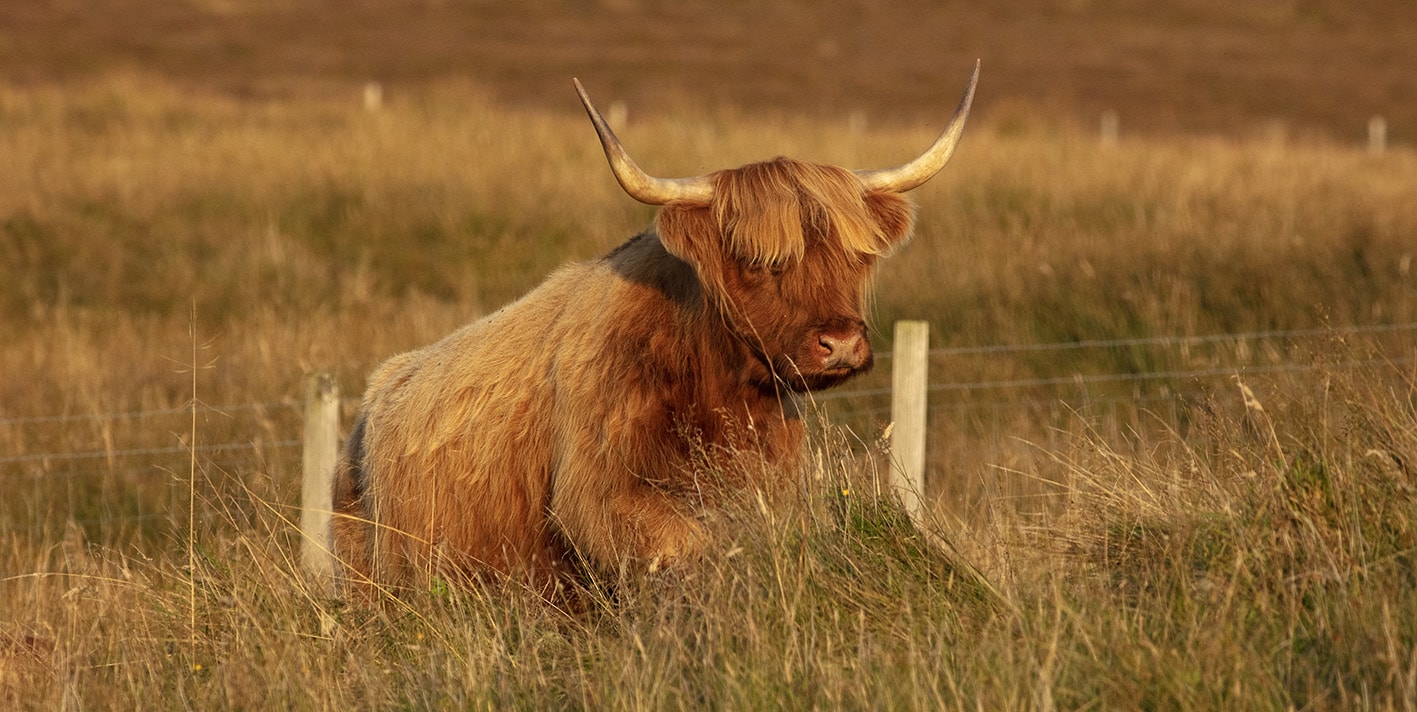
(785, 248)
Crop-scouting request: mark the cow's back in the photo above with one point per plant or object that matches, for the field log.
(457, 448)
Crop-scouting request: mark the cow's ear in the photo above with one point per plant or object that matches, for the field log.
(688, 231)
(895, 215)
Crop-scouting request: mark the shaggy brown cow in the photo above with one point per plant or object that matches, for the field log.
(576, 428)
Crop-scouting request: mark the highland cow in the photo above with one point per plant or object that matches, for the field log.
(574, 431)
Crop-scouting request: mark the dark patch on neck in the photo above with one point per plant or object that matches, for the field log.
(643, 260)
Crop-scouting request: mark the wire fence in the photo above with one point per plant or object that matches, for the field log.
(1207, 372)
(126, 475)
(122, 450)
(49, 457)
(1084, 381)
(1285, 335)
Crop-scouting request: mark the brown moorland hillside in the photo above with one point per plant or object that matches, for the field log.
(1307, 67)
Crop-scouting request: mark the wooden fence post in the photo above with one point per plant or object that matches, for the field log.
(909, 383)
(373, 97)
(321, 448)
(1110, 128)
(1377, 135)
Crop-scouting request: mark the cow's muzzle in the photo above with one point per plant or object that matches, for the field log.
(849, 352)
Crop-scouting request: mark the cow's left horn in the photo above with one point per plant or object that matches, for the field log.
(916, 172)
(640, 185)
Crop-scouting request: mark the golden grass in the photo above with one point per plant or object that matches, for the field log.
(1154, 543)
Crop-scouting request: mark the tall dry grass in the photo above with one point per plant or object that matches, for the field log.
(1177, 542)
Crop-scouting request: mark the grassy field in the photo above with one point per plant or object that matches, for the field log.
(1100, 536)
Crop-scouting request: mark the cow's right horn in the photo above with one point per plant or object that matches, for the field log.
(640, 185)
(916, 172)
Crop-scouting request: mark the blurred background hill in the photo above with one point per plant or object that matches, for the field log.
(1307, 68)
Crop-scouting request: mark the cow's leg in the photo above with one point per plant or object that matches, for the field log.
(615, 521)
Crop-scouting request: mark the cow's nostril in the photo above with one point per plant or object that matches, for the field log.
(841, 351)
(837, 345)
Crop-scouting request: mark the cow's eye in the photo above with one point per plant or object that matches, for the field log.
(757, 271)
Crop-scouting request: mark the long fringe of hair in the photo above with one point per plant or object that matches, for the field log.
(766, 211)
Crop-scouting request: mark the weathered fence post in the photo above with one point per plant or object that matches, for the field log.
(618, 116)
(373, 97)
(909, 382)
(1110, 128)
(856, 123)
(1377, 135)
(321, 447)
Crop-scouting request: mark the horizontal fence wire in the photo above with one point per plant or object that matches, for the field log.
(1236, 337)
(145, 469)
(1163, 375)
(126, 518)
(994, 349)
(1108, 378)
(1104, 378)
(142, 414)
(127, 461)
(1177, 340)
(147, 451)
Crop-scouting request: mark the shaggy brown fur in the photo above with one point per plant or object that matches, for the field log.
(559, 434)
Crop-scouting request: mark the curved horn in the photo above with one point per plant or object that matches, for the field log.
(640, 185)
(916, 172)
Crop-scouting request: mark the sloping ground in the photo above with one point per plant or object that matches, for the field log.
(1310, 67)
